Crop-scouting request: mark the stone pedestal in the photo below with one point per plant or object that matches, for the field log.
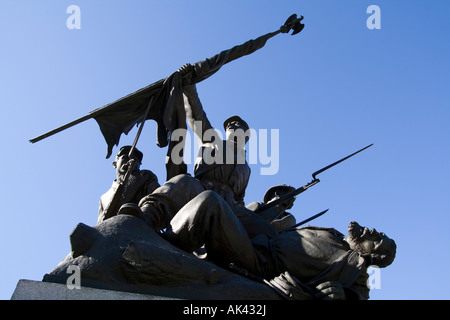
(37, 290)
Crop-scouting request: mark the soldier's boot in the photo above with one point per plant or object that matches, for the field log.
(131, 209)
(144, 212)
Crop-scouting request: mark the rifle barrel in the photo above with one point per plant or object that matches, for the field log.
(138, 134)
(286, 196)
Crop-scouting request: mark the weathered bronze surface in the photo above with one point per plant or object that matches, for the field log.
(193, 237)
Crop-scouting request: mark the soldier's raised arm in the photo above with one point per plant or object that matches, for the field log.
(195, 114)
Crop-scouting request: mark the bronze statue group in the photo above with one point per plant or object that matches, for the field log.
(206, 213)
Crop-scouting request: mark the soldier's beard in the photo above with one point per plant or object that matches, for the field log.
(356, 232)
(355, 237)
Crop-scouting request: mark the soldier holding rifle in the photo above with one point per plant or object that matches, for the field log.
(137, 184)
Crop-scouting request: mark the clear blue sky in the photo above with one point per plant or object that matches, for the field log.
(330, 90)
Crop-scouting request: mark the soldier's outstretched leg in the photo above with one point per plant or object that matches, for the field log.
(207, 219)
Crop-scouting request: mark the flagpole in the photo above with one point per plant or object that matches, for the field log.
(138, 134)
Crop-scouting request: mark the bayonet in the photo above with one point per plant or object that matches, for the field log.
(306, 220)
(296, 192)
(337, 162)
